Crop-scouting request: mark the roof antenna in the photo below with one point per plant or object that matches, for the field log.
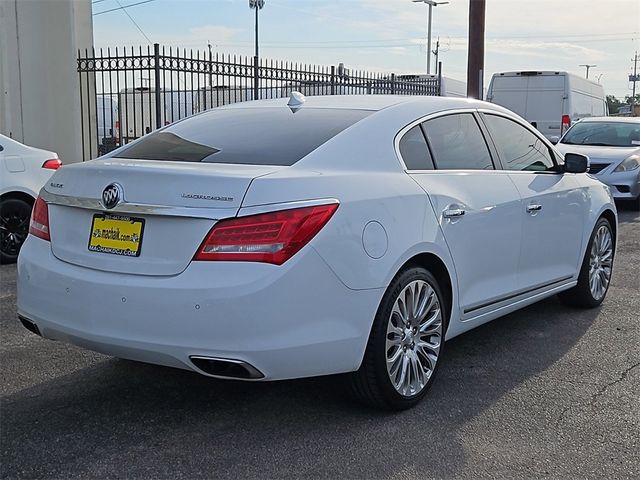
(296, 101)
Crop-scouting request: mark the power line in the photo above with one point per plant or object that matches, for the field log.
(123, 7)
(134, 22)
(379, 40)
(418, 42)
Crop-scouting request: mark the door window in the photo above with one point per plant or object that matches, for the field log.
(414, 150)
(457, 143)
(519, 148)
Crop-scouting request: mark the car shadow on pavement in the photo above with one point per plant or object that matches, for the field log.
(124, 419)
(626, 212)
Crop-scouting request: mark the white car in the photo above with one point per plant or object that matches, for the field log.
(613, 147)
(273, 240)
(24, 170)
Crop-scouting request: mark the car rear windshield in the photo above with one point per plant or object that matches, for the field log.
(253, 136)
(606, 134)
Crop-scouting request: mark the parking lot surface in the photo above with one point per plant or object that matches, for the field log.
(548, 391)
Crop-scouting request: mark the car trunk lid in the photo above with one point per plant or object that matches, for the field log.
(167, 209)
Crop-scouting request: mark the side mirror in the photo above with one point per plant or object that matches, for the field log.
(554, 139)
(576, 163)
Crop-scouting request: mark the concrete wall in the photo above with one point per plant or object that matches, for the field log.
(39, 85)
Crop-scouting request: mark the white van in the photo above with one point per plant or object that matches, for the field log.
(550, 101)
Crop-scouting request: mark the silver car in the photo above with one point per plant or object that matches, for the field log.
(613, 147)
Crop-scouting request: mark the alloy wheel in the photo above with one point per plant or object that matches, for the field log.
(414, 335)
(600, 262)
(14, 227)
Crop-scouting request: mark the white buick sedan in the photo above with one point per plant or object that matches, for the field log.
(282, 239)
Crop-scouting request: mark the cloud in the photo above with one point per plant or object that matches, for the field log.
(532, 48)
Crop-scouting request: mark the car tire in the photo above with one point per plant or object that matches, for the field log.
(14, 227)
(596, 270)
(415, 338)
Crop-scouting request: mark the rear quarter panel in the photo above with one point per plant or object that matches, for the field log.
(390, 200)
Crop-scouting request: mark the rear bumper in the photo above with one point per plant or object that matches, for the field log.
(292, 321)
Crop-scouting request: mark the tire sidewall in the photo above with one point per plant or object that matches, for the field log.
(394, 398)
(584, 273)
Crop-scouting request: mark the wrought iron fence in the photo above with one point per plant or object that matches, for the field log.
(126, 93)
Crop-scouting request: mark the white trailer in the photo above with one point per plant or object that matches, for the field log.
(137, 109)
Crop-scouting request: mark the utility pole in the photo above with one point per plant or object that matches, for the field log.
(587, 66)
(475, 56)
(436, 53)
(634, 78)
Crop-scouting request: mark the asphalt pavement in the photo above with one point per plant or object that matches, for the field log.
(548, 391)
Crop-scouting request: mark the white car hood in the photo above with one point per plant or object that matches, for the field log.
(597, 154)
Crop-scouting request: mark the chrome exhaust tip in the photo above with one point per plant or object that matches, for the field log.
(226, 368)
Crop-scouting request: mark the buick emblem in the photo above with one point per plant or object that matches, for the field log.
(112, 195)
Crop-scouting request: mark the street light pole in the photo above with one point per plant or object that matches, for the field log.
(429, 40)
(257, 10)
(587, 66)
(257, 5)
(431, 4)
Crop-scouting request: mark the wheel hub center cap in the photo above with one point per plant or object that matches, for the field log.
(408, 338)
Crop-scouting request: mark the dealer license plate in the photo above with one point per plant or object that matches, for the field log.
(116, 234)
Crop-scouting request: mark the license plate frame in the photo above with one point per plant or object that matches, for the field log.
(105, 225)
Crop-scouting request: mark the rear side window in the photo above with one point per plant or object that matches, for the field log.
(252, 136)
(519, 149)
(457, 143)
(414, 150)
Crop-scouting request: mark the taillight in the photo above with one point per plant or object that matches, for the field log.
(52, 164)
(39, 225)
(272, 237)
(566, 123)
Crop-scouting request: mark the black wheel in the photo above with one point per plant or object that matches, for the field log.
(405, 344)
(14, 227)
(596, 270)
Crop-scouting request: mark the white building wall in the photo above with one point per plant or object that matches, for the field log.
(39, 85)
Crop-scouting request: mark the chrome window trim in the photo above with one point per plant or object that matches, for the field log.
(530, 128)
(431, 116)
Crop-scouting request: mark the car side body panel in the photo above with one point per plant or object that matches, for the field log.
(551, 233)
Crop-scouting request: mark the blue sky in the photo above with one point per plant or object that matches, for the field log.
(389, 35)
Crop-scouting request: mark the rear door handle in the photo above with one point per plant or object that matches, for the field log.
(534, 207)
(453, 213)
